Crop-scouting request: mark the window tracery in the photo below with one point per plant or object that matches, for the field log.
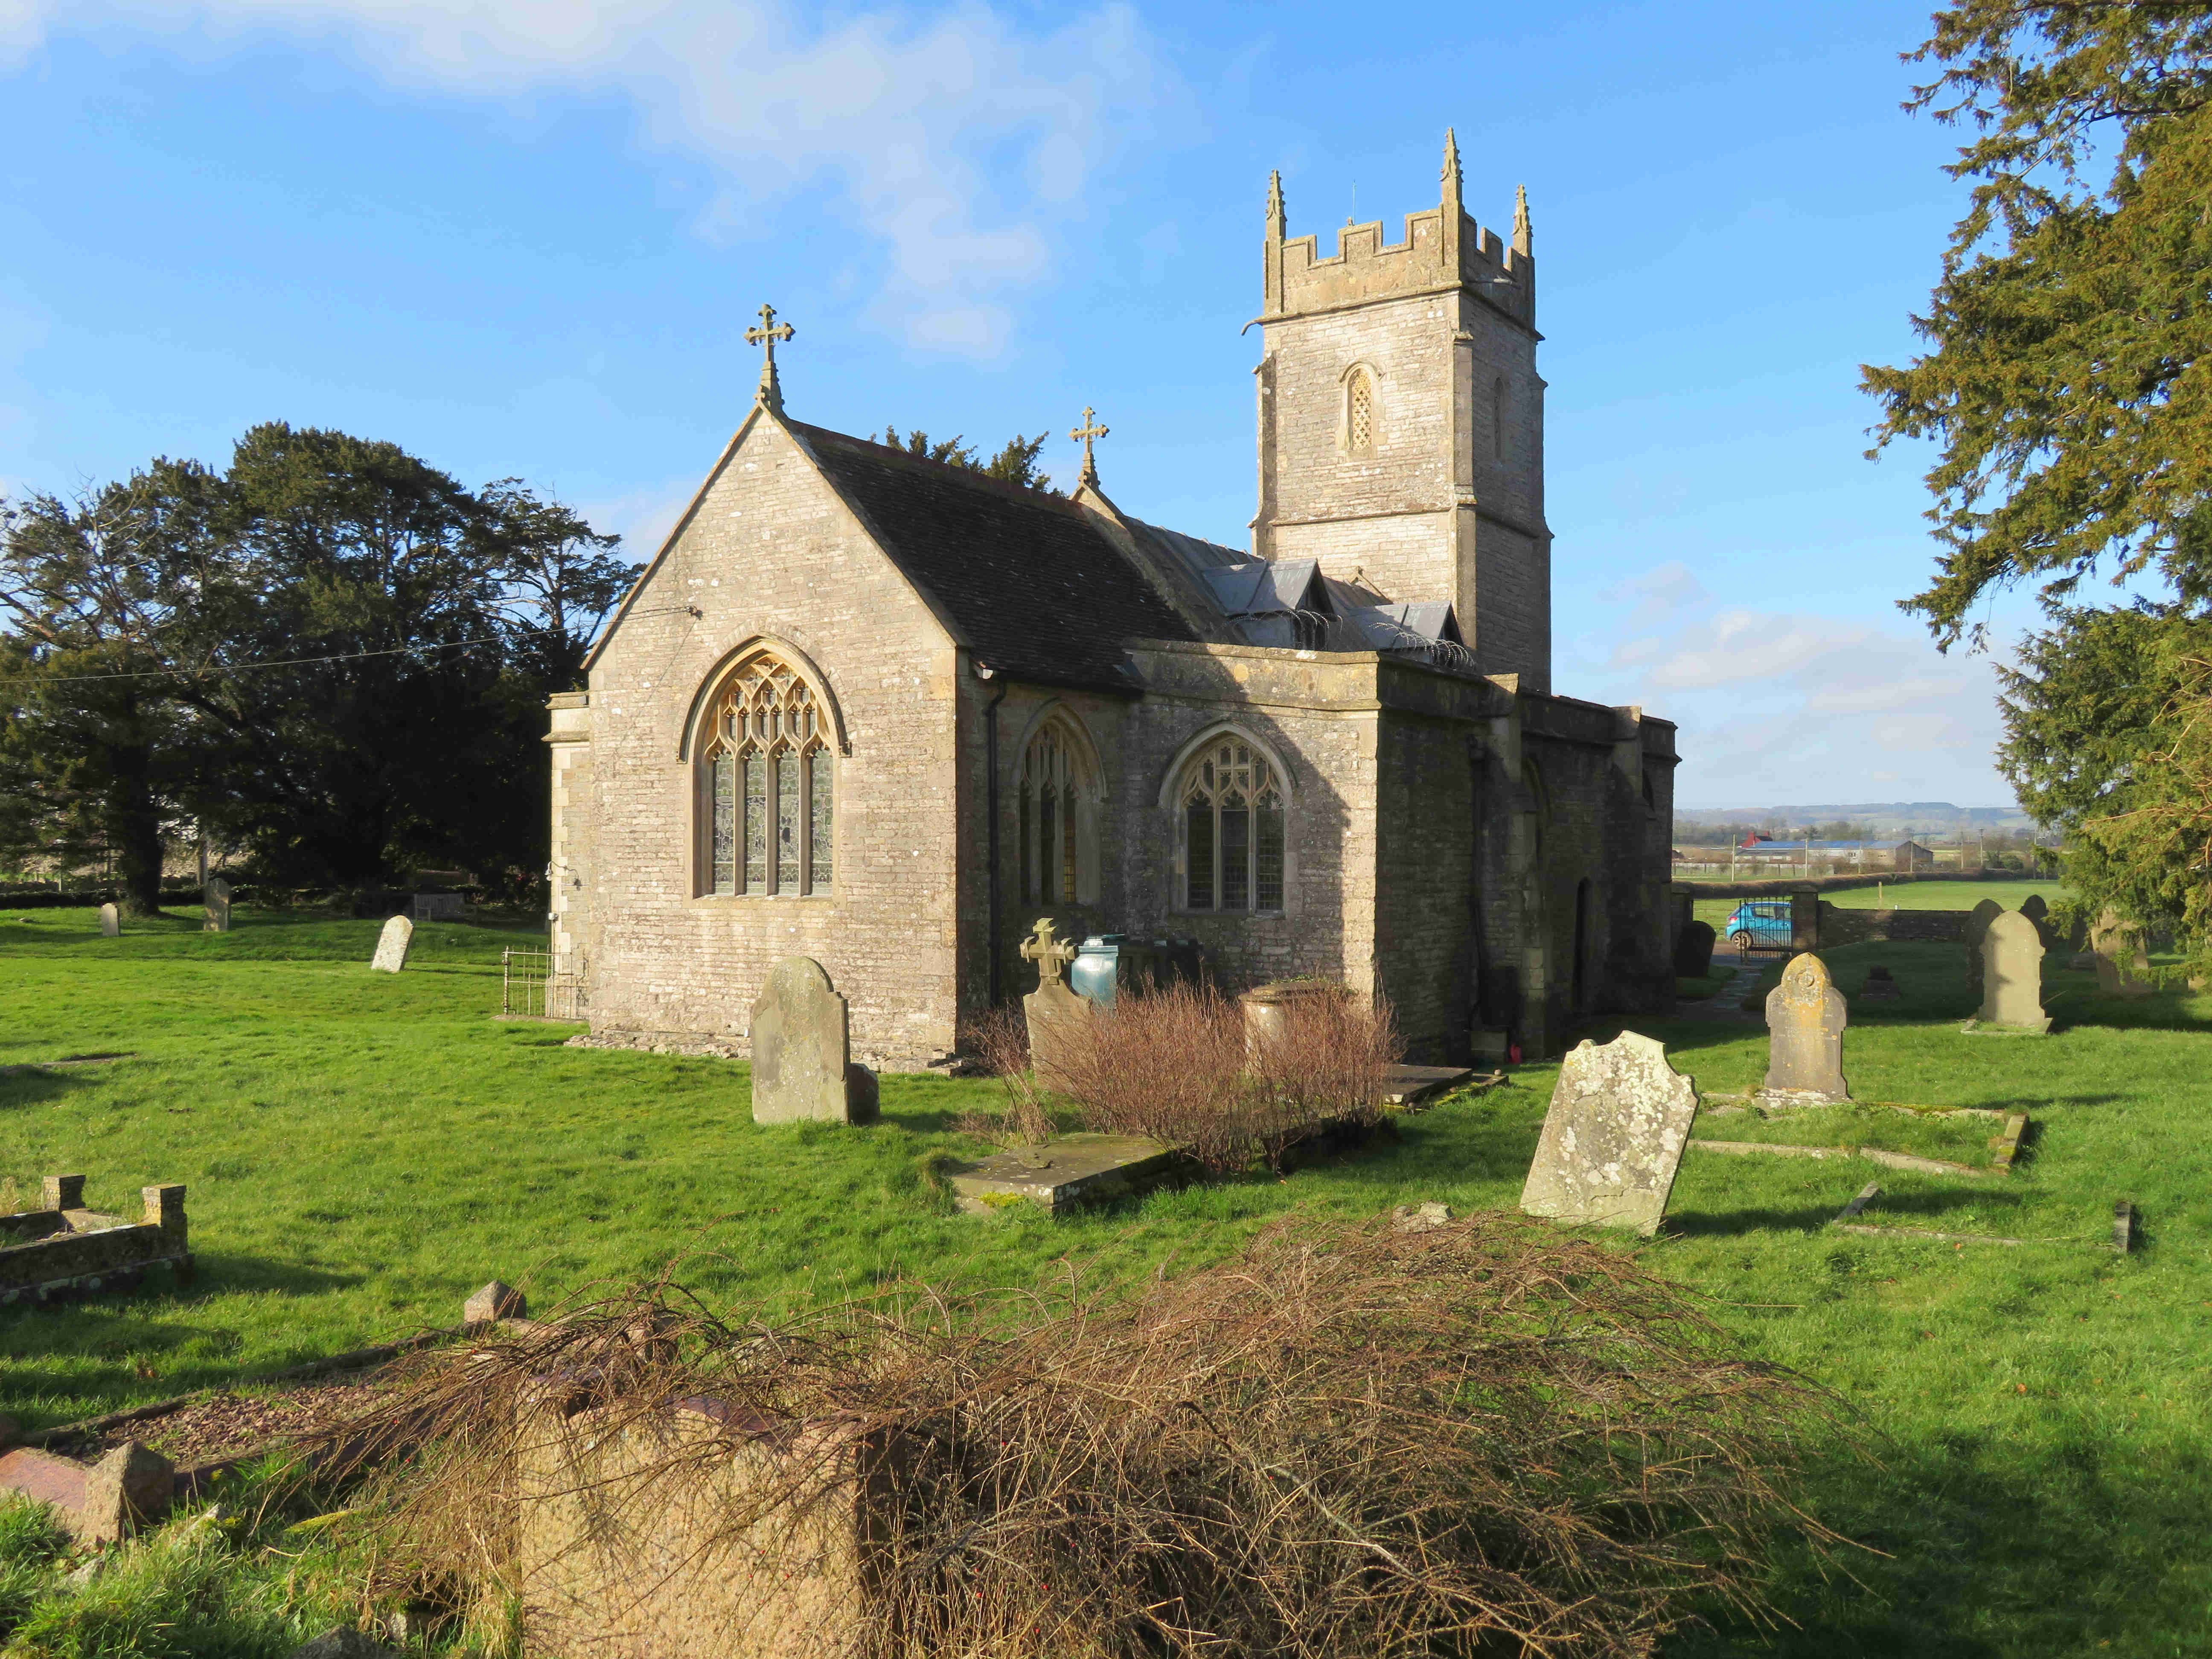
(1058, 818)
(767, 771)
(1233, 829)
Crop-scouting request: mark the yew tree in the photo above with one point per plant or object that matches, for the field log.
(2065, 389)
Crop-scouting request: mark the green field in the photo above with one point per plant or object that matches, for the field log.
(1910, 895)
(2024, 1450)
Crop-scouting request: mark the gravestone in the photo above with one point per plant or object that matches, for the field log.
(2012, 976)
(392, 946)
(2108, 940)
(1054, 1015)
(215, 899)
(111, 920)
(1805, 1020)
(1977, 923)
(1881, 986)
(1613, 1137)
(1693, 950)
(803, 1069)
(2037, 912)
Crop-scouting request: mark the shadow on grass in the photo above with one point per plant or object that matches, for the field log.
(37, 1086)
(1987, 1548)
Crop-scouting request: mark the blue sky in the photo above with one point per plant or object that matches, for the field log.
(525, 239)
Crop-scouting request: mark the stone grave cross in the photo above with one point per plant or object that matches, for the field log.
(1051, 955)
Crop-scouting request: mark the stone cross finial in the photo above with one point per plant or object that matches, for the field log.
(1088, 433)
(1051, 955)
(765, 337)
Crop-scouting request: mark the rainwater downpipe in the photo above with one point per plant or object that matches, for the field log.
(991, 812)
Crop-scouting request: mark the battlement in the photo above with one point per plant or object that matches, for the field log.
(1444, 249)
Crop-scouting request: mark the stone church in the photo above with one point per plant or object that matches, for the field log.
(886, 713)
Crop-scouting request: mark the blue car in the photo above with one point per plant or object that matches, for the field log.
(1760, 925)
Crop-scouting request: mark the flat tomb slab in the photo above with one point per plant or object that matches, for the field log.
(1408, 1085)
(1067, 1172)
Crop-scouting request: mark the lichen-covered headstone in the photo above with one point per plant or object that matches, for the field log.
(215, 899)
(1055, 1017)
(391, 945)
(1805, 1021)
(111, 920)
(2011, 975)
(1977, 923)
(1693, 950)
(1614, 1136)
(803, 1069)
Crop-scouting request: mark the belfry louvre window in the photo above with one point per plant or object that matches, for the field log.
(1059, 820)
(1359, 416)
(769, 785)
(1232, 825)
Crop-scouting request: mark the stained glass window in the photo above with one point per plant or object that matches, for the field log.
(1233, 830)
(769, 784)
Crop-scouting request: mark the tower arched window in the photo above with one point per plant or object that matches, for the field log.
(1359, 413)
(768, 773)
(1233, 829)
(1058, 816)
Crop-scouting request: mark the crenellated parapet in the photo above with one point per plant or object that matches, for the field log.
(1445, 250)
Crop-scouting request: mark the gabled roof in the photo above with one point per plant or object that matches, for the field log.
(1031, 584)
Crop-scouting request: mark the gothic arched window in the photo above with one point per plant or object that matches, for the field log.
(1233, 828)
(1359, 413)
(766, 766)
(1059, 809)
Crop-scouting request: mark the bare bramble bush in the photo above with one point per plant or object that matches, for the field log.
(1176, 1064)
(1344, 1443)
(1001, 1039)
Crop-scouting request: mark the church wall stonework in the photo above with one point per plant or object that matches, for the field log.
(770, 551)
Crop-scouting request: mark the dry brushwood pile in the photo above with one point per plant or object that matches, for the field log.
(1176, 1064)
(1485, 1438)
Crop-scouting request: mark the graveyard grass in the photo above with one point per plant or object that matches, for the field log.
(2026, 1447)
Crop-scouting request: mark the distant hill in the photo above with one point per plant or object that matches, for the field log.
(1889, 817)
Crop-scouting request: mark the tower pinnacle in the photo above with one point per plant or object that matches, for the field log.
(1523, 239)
(1275, 207)
(1451, 170)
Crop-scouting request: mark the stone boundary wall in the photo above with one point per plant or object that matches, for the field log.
(1783, 887)
(1841, 927)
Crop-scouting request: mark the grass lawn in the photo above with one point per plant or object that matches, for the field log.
(2027, 1446)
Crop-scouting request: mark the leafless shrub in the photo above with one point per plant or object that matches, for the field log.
(1002, 1043)
(1487, 1438)
(1176, 1064)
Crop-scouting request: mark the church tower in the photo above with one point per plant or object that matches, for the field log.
(1401, 420)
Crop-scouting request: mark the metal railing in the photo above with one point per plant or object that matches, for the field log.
(531, 989)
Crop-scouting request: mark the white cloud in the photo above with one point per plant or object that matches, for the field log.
(958, 142)
(1778, 707)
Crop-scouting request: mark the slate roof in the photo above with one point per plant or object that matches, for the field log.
(1034, 588)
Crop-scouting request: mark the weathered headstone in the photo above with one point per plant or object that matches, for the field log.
(1693, 950)
(2037, 912)
(2012, 976)
(1054, 1015)
(111, 920)
(1805, 1020)
(392, 946)
(1977, 923)
(1881, 986)
(2108, 939)
(803, 1067)
(215, 899)
(1614, 1136)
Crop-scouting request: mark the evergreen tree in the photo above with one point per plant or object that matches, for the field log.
(1015, 463)
(2066, 390)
